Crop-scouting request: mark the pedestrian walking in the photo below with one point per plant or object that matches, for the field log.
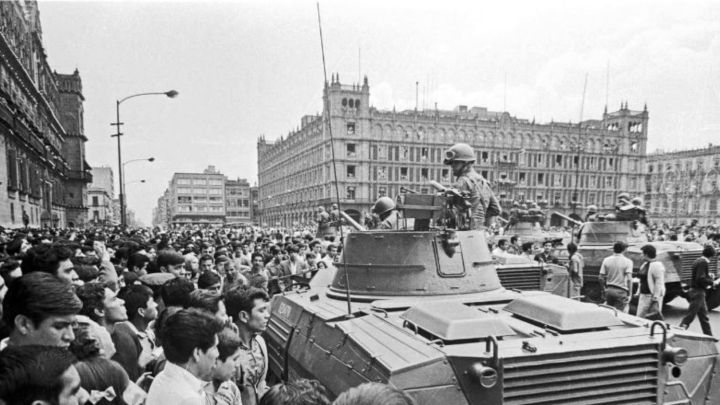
(701, 282)
(652, 285)
(616, 276)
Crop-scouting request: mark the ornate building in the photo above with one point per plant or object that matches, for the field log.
(564, 166)
(684, 185)
(42, 139)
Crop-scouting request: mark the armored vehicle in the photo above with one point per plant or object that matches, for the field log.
(528, 228)
(424, 310)
(595, 243)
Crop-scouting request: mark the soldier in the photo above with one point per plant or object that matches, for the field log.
(591, 213)
(384, 208)
(484, 204)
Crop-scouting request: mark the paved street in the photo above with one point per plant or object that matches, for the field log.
(675, 311)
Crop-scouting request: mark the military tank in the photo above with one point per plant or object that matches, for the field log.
(595, 242)
(527, 226)
(424, 310)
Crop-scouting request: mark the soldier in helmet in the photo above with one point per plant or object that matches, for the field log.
(484, 204)
(591, 213)
(385, 210)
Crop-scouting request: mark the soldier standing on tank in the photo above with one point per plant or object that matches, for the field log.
(387, 215)
(484, 204)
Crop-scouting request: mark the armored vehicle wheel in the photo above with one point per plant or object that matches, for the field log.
(713, 299)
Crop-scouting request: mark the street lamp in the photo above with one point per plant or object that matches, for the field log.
(117, 124)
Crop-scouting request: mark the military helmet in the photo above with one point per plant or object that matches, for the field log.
(383, 205)
(637, 201)
(592, 208)
(624, 197)
(460, 152)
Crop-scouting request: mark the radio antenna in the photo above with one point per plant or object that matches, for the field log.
(326, 118)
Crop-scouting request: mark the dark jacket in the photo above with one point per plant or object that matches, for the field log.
(701, 278)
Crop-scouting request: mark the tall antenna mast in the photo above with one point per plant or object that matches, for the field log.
(332, 151)
(416, 94)
(577, 146)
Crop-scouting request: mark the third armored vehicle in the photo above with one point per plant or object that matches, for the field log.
(423, 309)
(595, 242)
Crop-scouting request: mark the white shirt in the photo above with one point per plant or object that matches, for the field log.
(176, 386)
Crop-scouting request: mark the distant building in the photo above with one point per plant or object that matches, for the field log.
(563, 166)
(100, 197)
(237, 202)
(197, 198)
(42, 140)
(684, 185)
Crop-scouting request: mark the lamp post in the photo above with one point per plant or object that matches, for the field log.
(117, 124)
(124, 204)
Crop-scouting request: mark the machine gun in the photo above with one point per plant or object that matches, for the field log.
(574, 221)
(456, 197)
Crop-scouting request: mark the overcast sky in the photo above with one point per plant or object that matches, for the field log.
(246, 68)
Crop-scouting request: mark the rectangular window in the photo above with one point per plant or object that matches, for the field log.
(350, 150)
(351, 128)
(521, 178)
(183, 181)
(351, 172)
(445, 175)
(424, 174)
(424, 154)
(351, 193)
(95, 201)
(12, 212)
(541, 178)
(404, 153)
(485, 156)
(404, 173)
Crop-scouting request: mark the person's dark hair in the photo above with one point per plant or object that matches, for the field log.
(92, 296)
(176, 292)
(649, 251)
(243, 299)
(160, 321)
(187, 330)
(45, 258)
(572, 248)
(257, 254)
(207, 300)
(85, 345)
(206, 257)
(8, 267)
(373, 394)
(708, 251)
(527, 247)
(208, 279)
(33, 373)
(513, 239)
(228, 343)
(502, 242)
(135, 297)
(619, 246)
(86, 273)
(99, 373)
(39, 296)
(168, 258)
(137, 260)
(299, 392)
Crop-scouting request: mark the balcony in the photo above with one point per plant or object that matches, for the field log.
(84, 176)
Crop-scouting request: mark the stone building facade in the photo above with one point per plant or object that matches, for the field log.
(100, 195)
(42, 141)
(238, 202)
(563, 166)
(684, 185)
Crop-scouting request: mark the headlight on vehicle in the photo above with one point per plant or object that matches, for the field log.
(675, 355)
(486, 376)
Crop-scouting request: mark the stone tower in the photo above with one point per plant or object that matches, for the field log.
(70, 107)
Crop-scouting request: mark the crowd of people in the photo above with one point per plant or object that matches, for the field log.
(111, 316)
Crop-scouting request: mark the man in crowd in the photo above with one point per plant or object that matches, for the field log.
(616, 275)
(250, 308)
(39, 375)
(50, 258)
(547, 256)
(171, 262)
(134, 340)
(40, 309)
(189, 341)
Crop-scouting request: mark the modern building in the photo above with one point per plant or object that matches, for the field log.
(197, 198)
(564, 166)
(238, 202)
(100, 197)
(42, 140)
(684, 185)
